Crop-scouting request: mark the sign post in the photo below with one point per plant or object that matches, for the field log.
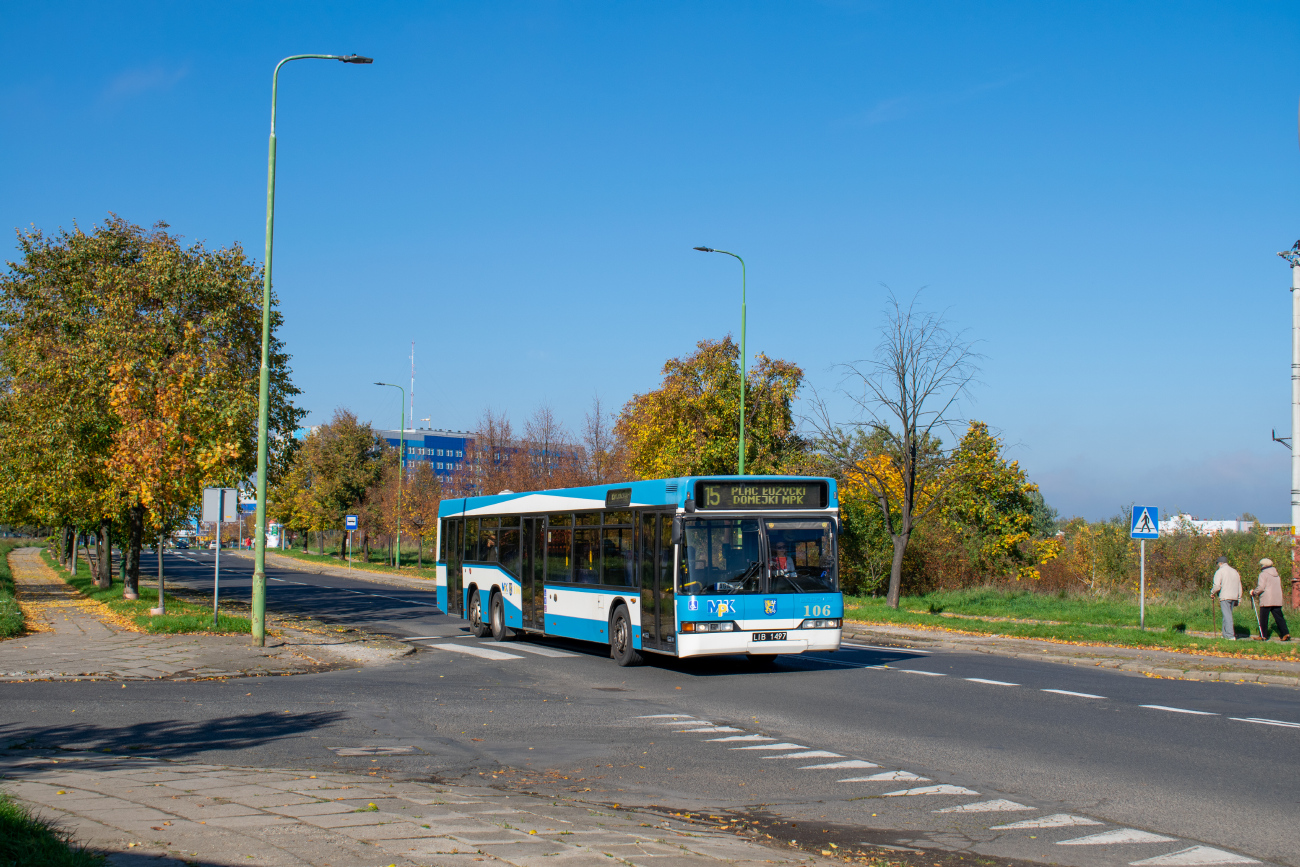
(219, 506)
(351, 525)
(1146, 525)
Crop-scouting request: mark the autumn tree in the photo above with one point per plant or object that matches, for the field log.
(491, 459)
(689, 425)
(604, 458)
(421, 495)
(145, 354)
(336, 466)
(906, 396)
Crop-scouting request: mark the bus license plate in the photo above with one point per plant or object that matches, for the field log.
(769, 636)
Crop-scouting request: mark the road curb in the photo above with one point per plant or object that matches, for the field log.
(1146, 668)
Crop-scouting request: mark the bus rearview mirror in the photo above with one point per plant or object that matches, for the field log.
(677, 531)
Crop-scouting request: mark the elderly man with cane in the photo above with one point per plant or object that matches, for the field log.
(1227, 584)
(1268, 590)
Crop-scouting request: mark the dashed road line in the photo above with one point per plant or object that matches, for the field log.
(1119, 835)
(742, 738)
(1266, 722)
(809, 754)
(540, 650)
(998, 806)
(665, 716)
(919, 671)
(990, 682)
(841, 766)
(1071, 692)
(1056, 820)
(887, 777)
(1178, 709)
(931, 790)
(1195, 856)
(710, 730)
(474, 650)
(773, 747)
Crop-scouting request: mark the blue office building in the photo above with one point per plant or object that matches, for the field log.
(445, 450)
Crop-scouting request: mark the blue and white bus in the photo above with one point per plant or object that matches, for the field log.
(697, 566)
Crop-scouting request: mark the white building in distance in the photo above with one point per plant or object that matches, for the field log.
(1189, 524)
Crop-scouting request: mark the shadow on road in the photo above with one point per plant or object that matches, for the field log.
(169, 738)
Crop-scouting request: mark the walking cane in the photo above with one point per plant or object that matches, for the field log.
(1258, 626)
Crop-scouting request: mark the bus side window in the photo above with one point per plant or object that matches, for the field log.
(558, 565)
(471, 540)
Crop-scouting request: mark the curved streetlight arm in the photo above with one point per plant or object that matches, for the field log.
(744, 373)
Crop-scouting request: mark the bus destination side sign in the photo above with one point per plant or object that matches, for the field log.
(770, 495)
(618, 498)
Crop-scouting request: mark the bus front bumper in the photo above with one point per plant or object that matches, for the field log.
(717, 643)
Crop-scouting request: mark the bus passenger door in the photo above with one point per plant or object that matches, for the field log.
(654, 560)
(530, 586)
(455, 551)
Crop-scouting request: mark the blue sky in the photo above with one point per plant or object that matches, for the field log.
(1094, 190)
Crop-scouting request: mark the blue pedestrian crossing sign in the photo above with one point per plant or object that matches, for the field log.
(1146, 523)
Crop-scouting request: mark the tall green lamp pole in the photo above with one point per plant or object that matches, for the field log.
(401, 464)
(743, 370)
(264, 380)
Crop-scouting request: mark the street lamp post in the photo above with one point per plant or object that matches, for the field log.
(264, 376)
(1293, 259)
(743, 370)
(401, 464)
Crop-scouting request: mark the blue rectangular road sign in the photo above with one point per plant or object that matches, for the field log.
(352, 522)
(1146, 523)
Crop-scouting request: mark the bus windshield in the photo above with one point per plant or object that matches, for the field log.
(730, 556)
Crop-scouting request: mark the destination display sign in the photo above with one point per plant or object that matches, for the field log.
(618, 498)
(765, 495)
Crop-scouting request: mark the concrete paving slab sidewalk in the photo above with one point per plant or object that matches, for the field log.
(143, 810)
(78, 639)
(1148, 662)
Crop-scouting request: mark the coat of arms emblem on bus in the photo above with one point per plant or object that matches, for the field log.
(769, 606)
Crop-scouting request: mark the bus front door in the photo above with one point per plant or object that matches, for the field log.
(531, 590)
(655, 572)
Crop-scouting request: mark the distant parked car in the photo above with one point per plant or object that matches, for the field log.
(212, 546)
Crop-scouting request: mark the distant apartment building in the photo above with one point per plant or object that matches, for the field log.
(1190, 524)
(444, 450)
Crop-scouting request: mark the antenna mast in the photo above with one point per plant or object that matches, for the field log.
(412, 380)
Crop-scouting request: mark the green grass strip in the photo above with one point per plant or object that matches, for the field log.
(181, 616)
(429, 572)
(1074, 619)
(29, 841)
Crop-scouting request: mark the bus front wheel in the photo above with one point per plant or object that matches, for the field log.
(620, 639)
(476, 624)
(497, 618)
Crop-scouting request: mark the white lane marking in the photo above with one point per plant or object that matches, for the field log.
(931, 790)
(683, 722)
(1196, 856)
(998, 806)
(773, 747)
(1075, 694)
(474, 650)
(540, 650)
(425, 638)
(851, 763)
(742, 738)
(1179, 709)
(918, 671)
(287, 581)
(991, 682)
(1267, 722)
(710, 730)
(887, 777)
(664, 716)
(810, 754)
(1056, 820)
(1119, 835)
(879, 647)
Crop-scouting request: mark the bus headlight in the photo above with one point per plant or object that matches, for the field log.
(710, 626)
(825, 623)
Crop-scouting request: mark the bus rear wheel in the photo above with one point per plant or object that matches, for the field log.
(476, 624)
(497, 618)
(620, 639)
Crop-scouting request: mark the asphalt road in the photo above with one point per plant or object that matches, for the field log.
(1156, 766)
